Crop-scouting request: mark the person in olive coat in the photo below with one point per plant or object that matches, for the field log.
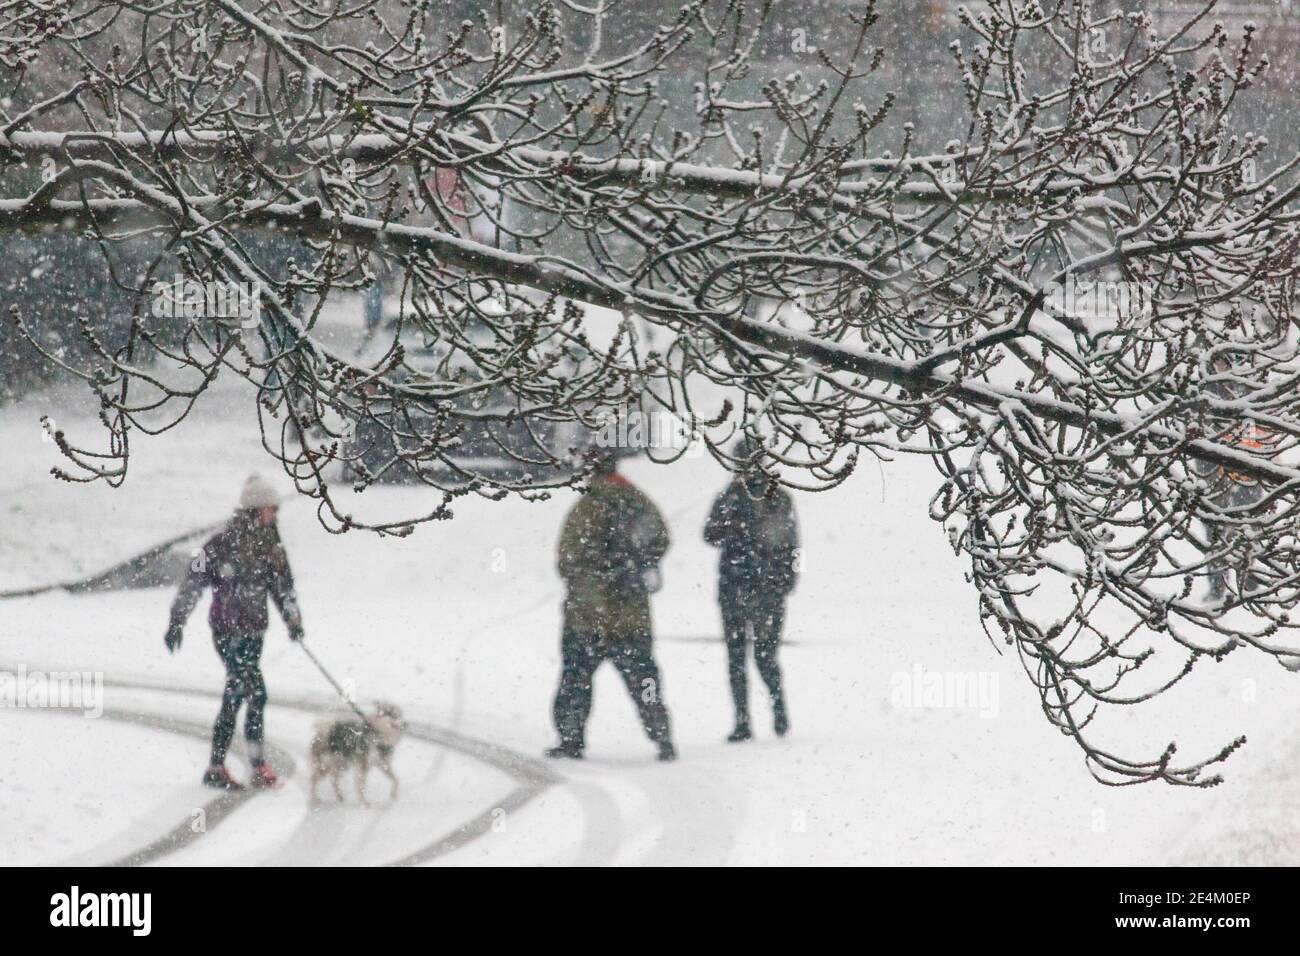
(753, 524)
(610, 548)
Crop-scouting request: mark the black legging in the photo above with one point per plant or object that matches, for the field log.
(761, 622)
(241, 653)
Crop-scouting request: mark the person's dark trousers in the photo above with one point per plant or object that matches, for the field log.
(580, 655)
(1238, 494)
(241, 653)
(374, 306)
(744, 620)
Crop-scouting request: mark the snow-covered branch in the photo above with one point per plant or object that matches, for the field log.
(1079, 301)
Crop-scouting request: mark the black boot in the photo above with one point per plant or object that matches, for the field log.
(218, 777)
(565, 752)
(667, 751)
(742, 731)
(780, 722)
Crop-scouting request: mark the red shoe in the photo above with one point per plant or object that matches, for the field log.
(220, 778)
(264, 778)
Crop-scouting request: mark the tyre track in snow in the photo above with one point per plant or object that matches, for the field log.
(532, 775)
(213, 812)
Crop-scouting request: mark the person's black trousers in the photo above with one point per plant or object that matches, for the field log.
(745, 620)
(581, 654)
(241, 653)
(1238, 494)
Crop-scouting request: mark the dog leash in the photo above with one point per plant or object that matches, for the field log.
(338, 688)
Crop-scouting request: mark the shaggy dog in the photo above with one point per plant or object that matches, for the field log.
(350, 741)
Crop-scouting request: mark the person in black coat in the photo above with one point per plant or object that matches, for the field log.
(245, 564)
(753, 523)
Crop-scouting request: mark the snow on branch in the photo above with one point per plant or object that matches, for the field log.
(1078, 301)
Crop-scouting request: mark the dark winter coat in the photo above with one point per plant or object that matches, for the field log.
(756, 530)
(244, 563)
(611, 540)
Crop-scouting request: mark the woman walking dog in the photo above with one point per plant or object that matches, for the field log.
(243, 564)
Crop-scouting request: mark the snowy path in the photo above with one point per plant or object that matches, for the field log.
(459, 624)
(125, 848)
(316, 838)
(673, 827)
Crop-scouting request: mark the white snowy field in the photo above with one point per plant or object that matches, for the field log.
(459, 624)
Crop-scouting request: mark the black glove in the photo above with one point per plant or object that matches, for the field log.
(292, 618)
(173, 638)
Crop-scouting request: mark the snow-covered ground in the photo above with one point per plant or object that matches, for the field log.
(459, 624)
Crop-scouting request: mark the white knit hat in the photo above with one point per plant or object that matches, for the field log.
(258, 493)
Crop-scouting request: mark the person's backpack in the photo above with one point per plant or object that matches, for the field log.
(633, 562)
